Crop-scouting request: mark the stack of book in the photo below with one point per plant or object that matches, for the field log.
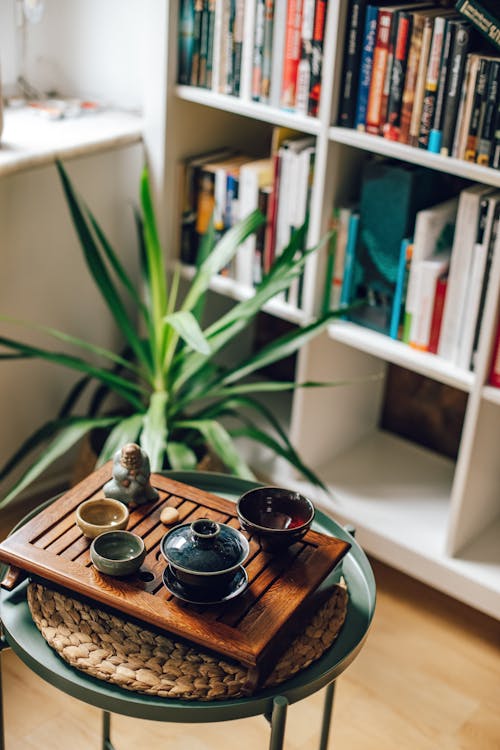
(270, 51)
(225, 187)
(424, 282)
(412, 74)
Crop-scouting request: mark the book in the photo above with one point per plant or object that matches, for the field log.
(435, 136)
(427, 272)
(254, 175)
(485, 16)
(258, 50)
(304, 67)
(247, 49)
(195, 64)
(366, 63)
(258, 264)
(221, 9)
(495, 148)
(189, 191)
(437, 313)
(278, 51)
(391, 196)
(417, 28)
(493, 249)
(353, 37)
(391, 128)
(464, 239)
(423, 67)
(431, 81)
(434, 227)
(477, 279)
(398, 303)
(346, 295)
(487, 130)
(464, 116)
(237, 47)
(291, 54)
(317, 43)
(337, 278)
(210, 43)
(267, 51)
(202, 71)
(458, 57)
(185, 50)
(460, 125)
(331, 254)
(374, 109)
(477, 106)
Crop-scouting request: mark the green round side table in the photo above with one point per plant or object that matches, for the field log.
(21, 634)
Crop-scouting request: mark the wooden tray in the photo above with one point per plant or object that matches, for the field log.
(252, 629)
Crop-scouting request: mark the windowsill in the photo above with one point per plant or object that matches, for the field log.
(29, 140)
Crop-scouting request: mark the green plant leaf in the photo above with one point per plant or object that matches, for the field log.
(180, 456)
(64, 434)
(219, 440)
(125, 388)
(99, 272)
(220, 256)
(188, 329)
(154, 433)
(126, 431)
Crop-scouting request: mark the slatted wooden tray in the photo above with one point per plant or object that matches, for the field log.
(253, 629)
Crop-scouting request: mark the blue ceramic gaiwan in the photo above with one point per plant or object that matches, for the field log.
(205, 553)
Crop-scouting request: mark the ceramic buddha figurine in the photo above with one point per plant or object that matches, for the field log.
(130, 482)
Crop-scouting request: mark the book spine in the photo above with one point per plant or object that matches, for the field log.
(482, 18)
(272, 216)
(278, 51)
(247, 49)
(452, 96)
(206, 201)
(418, 98)
(350, 260)
(487, 133)
(258, 51)
(366, 64)
(267, 51)
(495, 149)
(331, 255)
(210, 42)
(482, 301)
(478, 106)
(411, 78)
(258, 261)
(393, 119)
(228, 47)
(202, 73)
(388, 70)
(186, 31)
(195, 67)
(429, 272)
(317, 42)
(304, 66)
(459, 125)
(437, 313)
(237, 47)
(292, 54)
(380, 57)
(350, 72)
(431, 82)
(398, 302)
(436, 133)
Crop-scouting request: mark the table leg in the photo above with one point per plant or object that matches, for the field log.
(106, 727)
(327, 715)
(278, 721)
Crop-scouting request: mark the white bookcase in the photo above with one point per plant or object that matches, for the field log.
(434, 518)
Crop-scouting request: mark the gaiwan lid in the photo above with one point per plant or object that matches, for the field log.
(205, 546)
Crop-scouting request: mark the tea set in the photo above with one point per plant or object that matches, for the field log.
(205, 558)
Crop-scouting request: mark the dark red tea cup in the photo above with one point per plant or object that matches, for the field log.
(278, 517)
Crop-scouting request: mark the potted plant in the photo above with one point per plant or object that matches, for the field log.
(173, 392)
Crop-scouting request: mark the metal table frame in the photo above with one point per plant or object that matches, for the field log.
(20, 634)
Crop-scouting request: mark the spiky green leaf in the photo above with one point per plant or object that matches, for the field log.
(186, 325)
(180, 456)
(219, 440)
(154, 433)
(126, 431)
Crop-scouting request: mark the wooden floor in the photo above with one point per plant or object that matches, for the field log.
(428, 678)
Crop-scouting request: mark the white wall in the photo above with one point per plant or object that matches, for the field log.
(43, 277)
(84, 48)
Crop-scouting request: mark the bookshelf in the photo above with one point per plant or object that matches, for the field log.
(436, 518)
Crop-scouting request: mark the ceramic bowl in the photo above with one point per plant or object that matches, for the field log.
(117, 553)
(204, 553)
(93, 517)
(277, 516)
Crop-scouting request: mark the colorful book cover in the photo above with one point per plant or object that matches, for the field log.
(487, 132)
(195, 66)
(258, 50)
(292, 54)
(418, 21)
(374, 116)
(477, 109)
(431, 81)
(239, 14)
(346, 295)
(391, 129)
(210, 42)
(304, 67)
(428, 272)
(398, 303)
(437, 313)
(202, 73)
(485, 15)
(267, 52)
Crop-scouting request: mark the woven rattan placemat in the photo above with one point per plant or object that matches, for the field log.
(110, 648)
